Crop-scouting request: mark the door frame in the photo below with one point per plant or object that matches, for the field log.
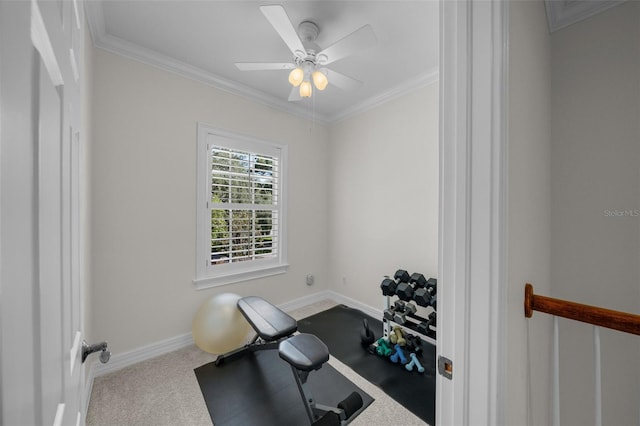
(473, 188)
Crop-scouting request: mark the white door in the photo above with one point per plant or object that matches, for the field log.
(57, 43)
(41, 340)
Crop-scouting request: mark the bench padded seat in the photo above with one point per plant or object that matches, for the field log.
(267, 320)
(304, 351)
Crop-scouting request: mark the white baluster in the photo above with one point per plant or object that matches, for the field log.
(598, 376)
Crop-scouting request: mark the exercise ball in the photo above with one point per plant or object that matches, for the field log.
(218, 326)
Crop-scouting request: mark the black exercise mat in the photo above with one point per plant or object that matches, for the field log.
(259, 389)
(339, 328)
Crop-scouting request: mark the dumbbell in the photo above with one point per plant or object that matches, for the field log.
(422, 328)
(388, 287)
(418, 280)
(410, 308)
(400, 317)
(414, 363)
(425, 326)
(397, 336)
(414, 343)
(433, 320)
(433, 302)
(389, 314)
(383, 348)
(404, 291)
(398, 356)
(424, 295)
(402, 276)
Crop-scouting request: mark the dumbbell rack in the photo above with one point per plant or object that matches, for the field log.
(410, 325)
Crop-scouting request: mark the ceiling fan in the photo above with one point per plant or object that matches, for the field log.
(309, 62)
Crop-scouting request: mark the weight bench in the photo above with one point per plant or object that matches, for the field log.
(271, 325)
(305, 353)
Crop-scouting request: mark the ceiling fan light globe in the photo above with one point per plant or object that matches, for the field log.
(296, 76)
(320, 80)
(305, 89)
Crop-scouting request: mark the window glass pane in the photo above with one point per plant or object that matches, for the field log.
(242, 177)
(240, 235)
(264, 179)
(220, 243)
(265, 233)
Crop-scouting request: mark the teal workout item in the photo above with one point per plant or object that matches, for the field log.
(414, 363)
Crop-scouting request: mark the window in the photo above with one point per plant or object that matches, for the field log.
(240, 208)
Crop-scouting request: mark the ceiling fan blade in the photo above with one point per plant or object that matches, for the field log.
(262, 66)
(360, 39)
(280, 21)
(340, 80)
(295, 95)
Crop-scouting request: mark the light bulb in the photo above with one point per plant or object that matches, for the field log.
(305, 89)
(319, 80)
(296, 76)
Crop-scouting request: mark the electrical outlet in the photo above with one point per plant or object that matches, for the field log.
(310, 279)
(344, 280)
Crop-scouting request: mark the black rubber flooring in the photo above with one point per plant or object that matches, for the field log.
(339, 328)
(259, 389)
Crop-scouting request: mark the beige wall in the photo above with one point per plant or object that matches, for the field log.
(529, 221)
(143, 163)
(383, 202)
(596, 168)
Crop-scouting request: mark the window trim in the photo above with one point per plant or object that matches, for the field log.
(206, 277)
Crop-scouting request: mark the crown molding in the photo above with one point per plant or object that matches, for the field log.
(562, 13)
(132, 51)
(408, 86)
(103, 40)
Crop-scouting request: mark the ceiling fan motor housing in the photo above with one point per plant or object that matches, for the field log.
(308, 31)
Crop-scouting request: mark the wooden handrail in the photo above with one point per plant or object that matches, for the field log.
(621, 321)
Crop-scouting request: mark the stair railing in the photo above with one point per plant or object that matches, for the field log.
(598, 317)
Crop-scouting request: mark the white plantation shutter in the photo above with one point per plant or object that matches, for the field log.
(244, 205)
(240, 208)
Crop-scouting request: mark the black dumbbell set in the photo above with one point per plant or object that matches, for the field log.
(411, 290)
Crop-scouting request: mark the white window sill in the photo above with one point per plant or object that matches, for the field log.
(239, 276)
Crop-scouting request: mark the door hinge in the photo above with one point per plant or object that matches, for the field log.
(445, 367)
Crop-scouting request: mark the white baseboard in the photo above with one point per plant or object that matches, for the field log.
(303, 301)
(353, 303)
(125, 359)
(331, 295)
